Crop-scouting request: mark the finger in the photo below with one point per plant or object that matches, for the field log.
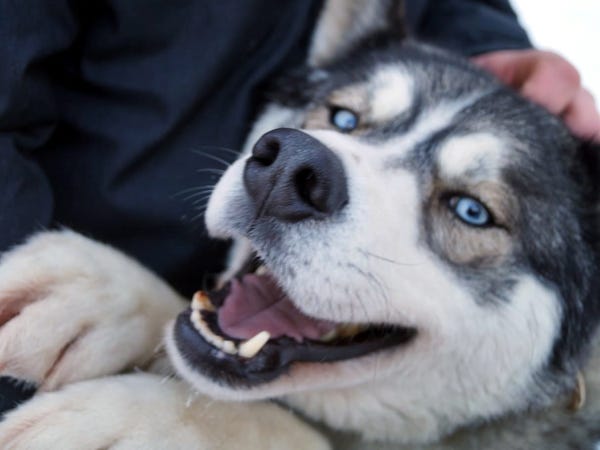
(544, 77)
(509, 66)
(582, 116)
(553, 83)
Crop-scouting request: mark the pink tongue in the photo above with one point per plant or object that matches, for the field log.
(256, 303)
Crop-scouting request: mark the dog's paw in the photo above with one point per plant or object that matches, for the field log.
(141, 411)
(72, 309)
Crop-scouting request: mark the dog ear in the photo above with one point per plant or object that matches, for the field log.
(346, 24)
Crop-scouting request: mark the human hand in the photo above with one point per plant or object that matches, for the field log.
(549, 80)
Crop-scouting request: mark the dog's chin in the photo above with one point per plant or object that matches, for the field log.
(250, 332)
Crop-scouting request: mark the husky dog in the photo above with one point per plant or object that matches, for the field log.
(415, 263)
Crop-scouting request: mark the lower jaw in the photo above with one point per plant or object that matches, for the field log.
(274, 359)
(212, 363)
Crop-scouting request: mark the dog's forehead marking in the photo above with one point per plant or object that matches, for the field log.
(391, 92)
(478, 155)
(430, 122)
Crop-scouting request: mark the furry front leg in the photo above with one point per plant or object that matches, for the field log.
(143, 411)
(73, 309)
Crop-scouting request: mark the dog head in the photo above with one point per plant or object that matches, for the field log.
(418, 242)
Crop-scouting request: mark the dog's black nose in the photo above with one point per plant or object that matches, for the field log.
(292, 176)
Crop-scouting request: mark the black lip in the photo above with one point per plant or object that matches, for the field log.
(276, 357)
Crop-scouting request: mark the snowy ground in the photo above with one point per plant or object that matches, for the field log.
(571, 28)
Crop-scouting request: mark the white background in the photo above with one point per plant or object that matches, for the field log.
(571, 28)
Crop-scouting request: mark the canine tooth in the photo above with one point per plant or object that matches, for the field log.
(196, 318)
(349, 330)
(262, 270)
(329, 336)
(229, 347)
(343, 331)
(252, 346)
(200, 301)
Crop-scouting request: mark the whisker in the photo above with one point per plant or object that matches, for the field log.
(191, 197)
(383, 258)
(204, 191)
(374, 282)
(224, 149)
(193, 190)
(211, 170)
(213, 157)
(200, 200)
(201, 210)
(198, 195)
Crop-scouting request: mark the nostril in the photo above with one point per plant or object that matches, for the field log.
(313, 189)
(305, 182)
(291, 176)
(267, 151)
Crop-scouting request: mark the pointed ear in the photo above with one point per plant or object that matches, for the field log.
(345, 24)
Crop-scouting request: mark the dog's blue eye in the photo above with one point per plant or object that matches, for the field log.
(470, 211)
(344, 119)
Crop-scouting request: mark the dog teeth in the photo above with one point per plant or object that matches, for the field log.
(229, 347)
(343, 331)
(252, 346)
(201, 302)
(262, 270)
(247, 349)
(214, 339)
(196, 318)
(329, 336)
(349, 330)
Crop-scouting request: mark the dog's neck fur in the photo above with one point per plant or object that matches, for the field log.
(562, 425)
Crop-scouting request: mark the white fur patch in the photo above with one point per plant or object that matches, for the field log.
(392, 93)
(74, 298)
(469, 362)
(142, 411)
(482, 153)
(429, 122)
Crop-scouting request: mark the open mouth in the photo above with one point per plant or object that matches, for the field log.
(250, 332)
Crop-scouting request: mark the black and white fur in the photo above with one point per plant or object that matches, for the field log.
(505, 315)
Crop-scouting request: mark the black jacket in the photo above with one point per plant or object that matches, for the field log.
(107, 105)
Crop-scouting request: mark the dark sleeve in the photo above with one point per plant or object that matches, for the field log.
(471, 27)
(32, 33)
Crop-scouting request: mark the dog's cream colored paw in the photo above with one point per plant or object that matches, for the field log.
(72, 309)
(142, 411)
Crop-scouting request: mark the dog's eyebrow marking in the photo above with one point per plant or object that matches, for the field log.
(477, 156)
(391, 90)
(353, 96)
(426, 128)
